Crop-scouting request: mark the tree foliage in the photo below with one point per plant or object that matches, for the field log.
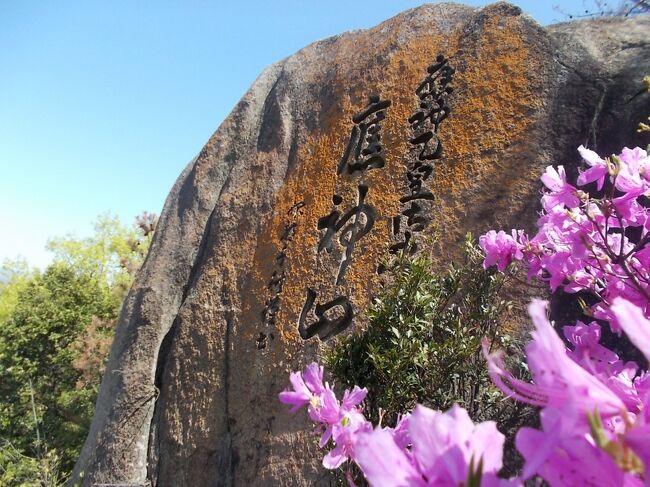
(113, 254)
(36, 343)
(14, 276)
(55, 333)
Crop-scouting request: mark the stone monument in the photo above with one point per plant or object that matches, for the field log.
(276, 236)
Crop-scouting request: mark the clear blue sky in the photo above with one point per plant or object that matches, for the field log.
(103, 102)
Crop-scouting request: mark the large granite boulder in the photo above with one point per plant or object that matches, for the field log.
(275, 237)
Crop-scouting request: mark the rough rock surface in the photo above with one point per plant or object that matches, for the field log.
(210, 329)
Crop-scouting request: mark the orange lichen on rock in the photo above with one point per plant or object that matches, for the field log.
(314, 181)
(499, 96)
(494, 104)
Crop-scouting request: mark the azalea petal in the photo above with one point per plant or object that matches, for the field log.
(325, 437)
(590, 157)
(487, 444)
(492, 480)
(593, 174)
(535, 446)
(383, 463)
(551, 179)
(560, 377)
(432, 436)
(557, 377)
(296, 399)
(353, 397)
(635, 325)
(335, 458)
(298, 384)
(313, 377)
(637, 439)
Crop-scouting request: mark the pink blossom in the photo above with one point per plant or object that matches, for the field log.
(565, 457)
(598, 169)
(344, 426)
(585, 340)
(340, 423)
(443, 446)
(401, 433)
(326, 410)
(633, 170)
(306, 387)
(384, 463)
(500, 248)
(557, 378)
(604, 364)
(638, 439)
(633, 322)
(562, 193)
(352, 398)
(345, 434)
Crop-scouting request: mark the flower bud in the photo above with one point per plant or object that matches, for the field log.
(613, 165)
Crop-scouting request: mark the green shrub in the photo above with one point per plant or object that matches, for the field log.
(422, 343)
(423, 339)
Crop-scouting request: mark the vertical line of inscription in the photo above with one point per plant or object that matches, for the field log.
(275, 284)
(364, 152)
(425, 148)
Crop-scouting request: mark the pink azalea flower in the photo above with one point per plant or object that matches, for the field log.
(586, 342)
(400, 432)
(345, 434)
(443, 446)
(384, 463)
(344, 426)
(564, 456)
(604, 364)
(632, 172)
(598, 169)
(306, 388)
(444, 443)
(579, 281)
(557, 378)
(352, 398)
(562, 193)
(341, 423)
(326, 410)
(500, 248)
(638, 440)
(559, 266)
(628, 208)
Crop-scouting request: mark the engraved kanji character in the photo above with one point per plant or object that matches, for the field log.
(353, 225)
(325, 327)
(364, 149)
